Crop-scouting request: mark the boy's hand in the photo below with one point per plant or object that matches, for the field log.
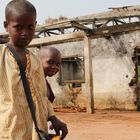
(59, 126)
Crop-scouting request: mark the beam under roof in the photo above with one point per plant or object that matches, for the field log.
(98, 23)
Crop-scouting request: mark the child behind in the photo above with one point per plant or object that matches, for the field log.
(15, 117)
(51, 60)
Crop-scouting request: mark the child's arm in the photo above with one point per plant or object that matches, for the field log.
(58, 125)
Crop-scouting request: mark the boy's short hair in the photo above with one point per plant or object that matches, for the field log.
(17, 6)
(51, 49)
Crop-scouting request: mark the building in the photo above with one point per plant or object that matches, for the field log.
(100, 65)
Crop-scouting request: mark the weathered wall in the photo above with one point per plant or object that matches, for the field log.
(113, 70)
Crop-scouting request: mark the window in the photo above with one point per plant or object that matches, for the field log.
(72, 70)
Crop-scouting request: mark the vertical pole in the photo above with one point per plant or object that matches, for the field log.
(88, 74)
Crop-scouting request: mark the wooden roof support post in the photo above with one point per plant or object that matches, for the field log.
(88, 74)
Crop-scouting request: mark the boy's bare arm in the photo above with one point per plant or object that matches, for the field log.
(59, 126)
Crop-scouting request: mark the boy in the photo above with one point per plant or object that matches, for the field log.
(15, 118)
(51, 60)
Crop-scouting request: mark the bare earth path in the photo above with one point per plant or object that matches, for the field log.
(103, 125)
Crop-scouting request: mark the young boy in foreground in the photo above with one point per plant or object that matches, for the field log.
(15, 118)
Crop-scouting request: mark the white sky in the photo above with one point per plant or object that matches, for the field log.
(68, 8)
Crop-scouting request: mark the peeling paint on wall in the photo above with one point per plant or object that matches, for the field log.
(113, 70)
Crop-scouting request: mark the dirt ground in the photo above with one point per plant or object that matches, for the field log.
(103, 125)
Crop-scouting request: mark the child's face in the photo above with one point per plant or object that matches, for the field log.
(21, 28)
(51, 63)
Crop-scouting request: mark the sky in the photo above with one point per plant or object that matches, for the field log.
(68, 8)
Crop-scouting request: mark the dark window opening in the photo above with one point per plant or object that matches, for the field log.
(135, 82)
(72, 71)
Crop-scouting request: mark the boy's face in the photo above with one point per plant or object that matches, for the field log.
(51, 63)
(21, 28)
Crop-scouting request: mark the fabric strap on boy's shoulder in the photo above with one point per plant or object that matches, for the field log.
(26, 86)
